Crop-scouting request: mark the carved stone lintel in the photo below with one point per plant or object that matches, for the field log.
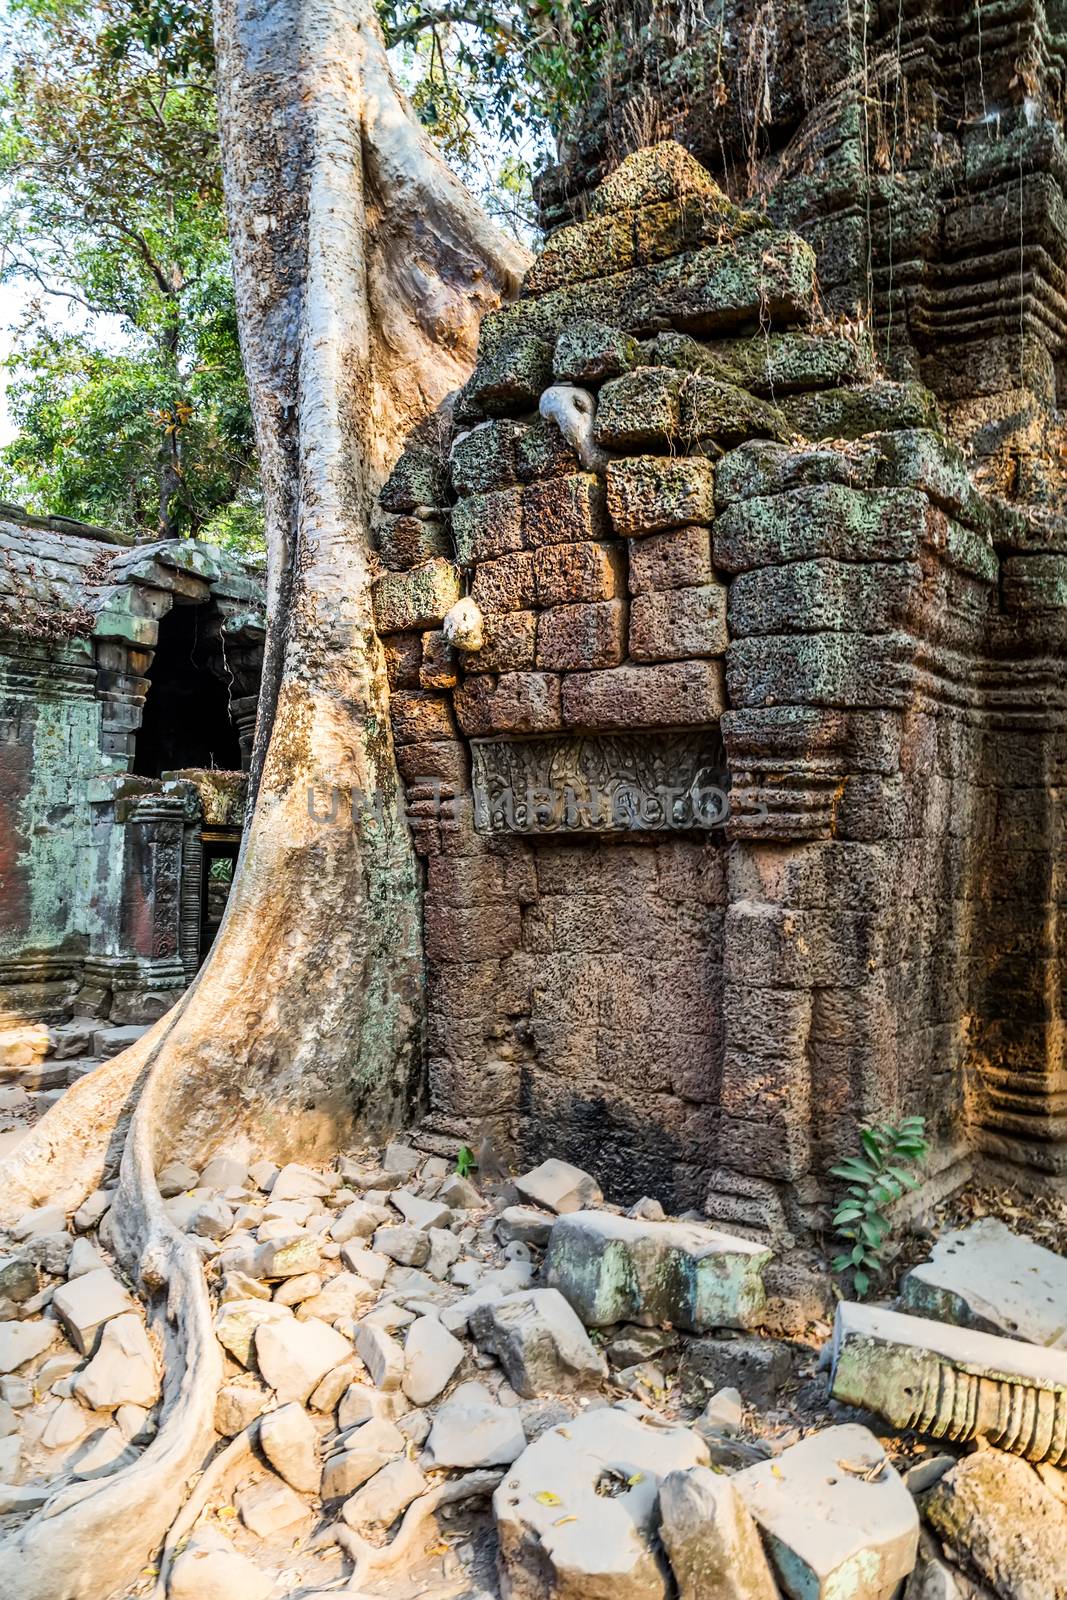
(601, 783)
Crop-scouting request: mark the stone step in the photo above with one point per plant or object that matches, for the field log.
(109, 1042)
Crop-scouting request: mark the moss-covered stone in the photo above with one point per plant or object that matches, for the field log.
(510, 375)
(664, 171)
(485, 458)
(416, 599)
(651, 493)
(764, 278)
(589, 351)
(640, 410)
(487, 525)
(713, 411)
(583, 251)
(420, 478)
(821, 520)
(851, 413)
(408, 541)
(778, 364)
(541, 451)
(835, 596)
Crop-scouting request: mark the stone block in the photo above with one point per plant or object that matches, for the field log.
(510, 641)
(405, 541)
(834, 1524)
(564, 510)
(582, 636)
(420, 478)
(576, 1541)
(809, 596)
(438, 669)
(657, 1274)
(674, 624)
(584, 250)
(123, 1370)
(420, 598)
(504, 585)
(850, 413)
(471, 1430)
(859, 670)
(777, 364)
(484, 459)
(485, 526)
(363, 1453)
(419, 718)
(954, 1382)
(403, 659)
(432, 1357)
(86, 1304)
(539, 1342)
(24, 1341)
(1004, 1524)
(640, 410)
(671, 695)
(679, 559)
(723, 414)
(559, 1187)
(650, 494)
(542, 451)
(438, 760)
(711, 1541)
(376, 1506)
(565, 574)
(513, 702)
(985, 1276)
(509, 378)
(294, 1357)
(821, 520)
(757, 1368)
(588, 351)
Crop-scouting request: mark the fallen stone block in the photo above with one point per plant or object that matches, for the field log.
(1003, 1525)
(836, 1519)
(431, 1356)
(288, 1257)
(237, 1404)
(756, 1367)
(236, 1324)
(987, 1277)
(539, 1342)
(624, 1269)
(22, 1341)
(952, 1383)
(291, 1444)
(123, 1370)
(362, 1454)
(209, 1568)
(381, 1500)
(86, 1303)
(576, 1515)
(472, 1430)
(270, 1508)
(711, 1541)
(381, 1355)
(295, 1356)
(559, 1187)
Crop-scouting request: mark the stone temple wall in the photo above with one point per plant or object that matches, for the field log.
(715, 550)
(96, 879)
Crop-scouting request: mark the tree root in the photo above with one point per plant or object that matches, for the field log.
(237, 1455)
(369, 1562)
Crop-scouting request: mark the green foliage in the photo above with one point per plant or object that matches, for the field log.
(875, 1181)
(490, 80)
(465, 1162)
(136, 413)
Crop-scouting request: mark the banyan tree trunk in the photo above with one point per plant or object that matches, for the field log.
(363, 270)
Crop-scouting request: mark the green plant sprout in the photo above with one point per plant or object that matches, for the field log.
(465, 1162)
(876, 1180)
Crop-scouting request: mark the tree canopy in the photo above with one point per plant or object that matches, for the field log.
(126, 383)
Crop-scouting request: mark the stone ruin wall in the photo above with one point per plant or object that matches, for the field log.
(771, 544)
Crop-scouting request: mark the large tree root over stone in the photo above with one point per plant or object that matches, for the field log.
(363, 270)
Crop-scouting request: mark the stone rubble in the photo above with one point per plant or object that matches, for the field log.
(606, 1370)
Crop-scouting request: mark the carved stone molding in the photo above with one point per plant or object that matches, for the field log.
(601, 783)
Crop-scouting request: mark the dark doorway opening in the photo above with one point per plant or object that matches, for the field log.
(186, 721)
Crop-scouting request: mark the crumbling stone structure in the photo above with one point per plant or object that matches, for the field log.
(129, 679)
(740, 804)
